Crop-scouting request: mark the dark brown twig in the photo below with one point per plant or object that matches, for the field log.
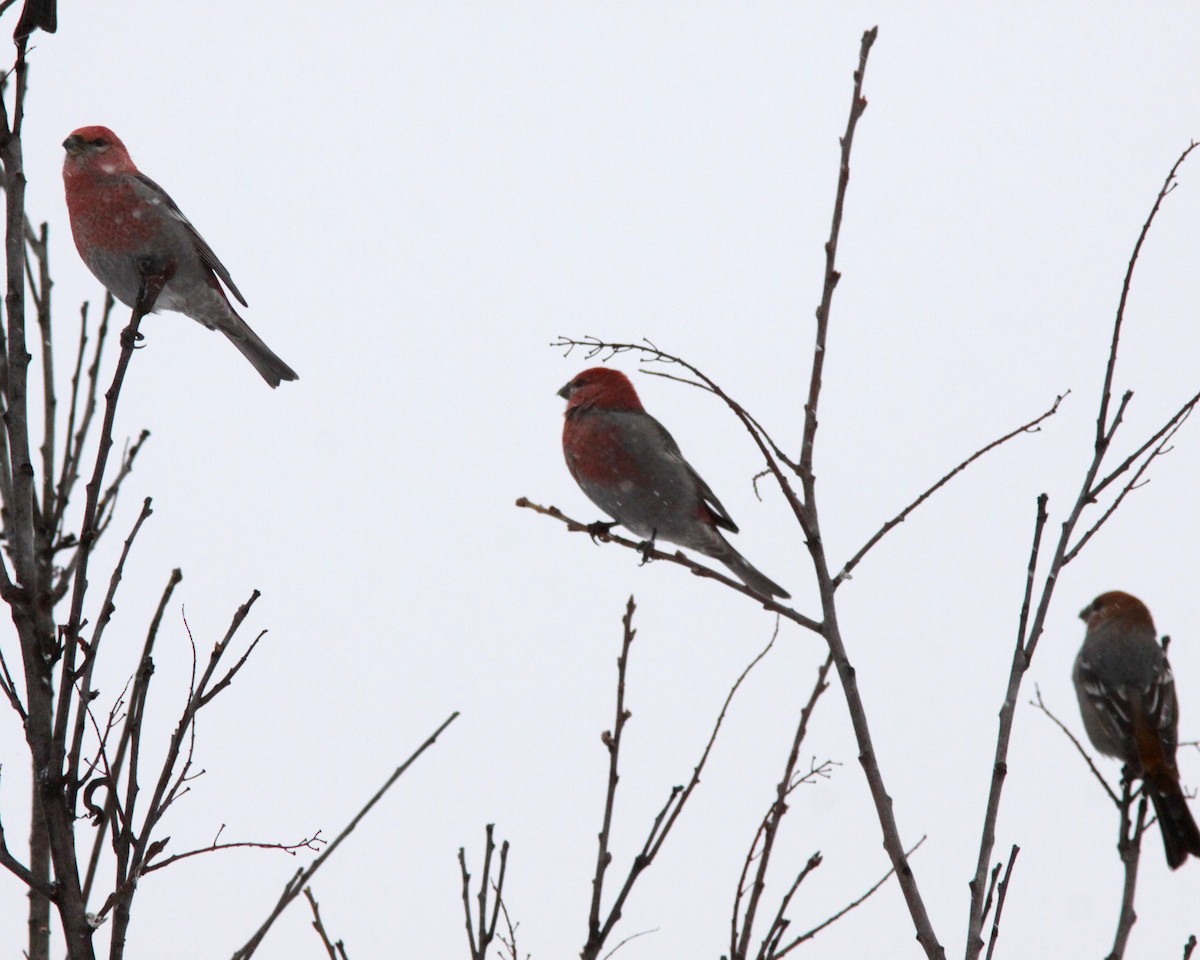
(486, 925)
(575, 526)
(809, 934)
(1031, 427)
(598, 928)
(760, 851)
(1104, 430)
(1129, 848)
(826, 584)
(113, 769)
(313, 844)
(336, 951)
(84, 680)
(1040, 704)
(292, 888)
(1002, 892)
(612, 742)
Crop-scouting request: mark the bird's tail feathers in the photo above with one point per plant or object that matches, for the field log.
(748, 574)
(264, 359)
(1179, 831)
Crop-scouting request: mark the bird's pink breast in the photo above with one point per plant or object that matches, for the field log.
(107, 214)
(595, 451)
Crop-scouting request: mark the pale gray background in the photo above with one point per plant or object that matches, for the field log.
(416, 199)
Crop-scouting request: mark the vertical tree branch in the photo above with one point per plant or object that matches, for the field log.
(830, 629)
(1129, 848)
(612, 742)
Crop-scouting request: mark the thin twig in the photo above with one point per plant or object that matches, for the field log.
(666, 818)
(84, 685)
(1031, 427)
(1129, 848)
(808, 935)
(113, 773)
(612, 742)
(1002, 892)
(831, 631)
(1040, 704)
(313, 843)
(1162, 438)
(292, 888)
(336, 951)
(487, 929)
(653, 553)
(767, 832)
(1103, 432)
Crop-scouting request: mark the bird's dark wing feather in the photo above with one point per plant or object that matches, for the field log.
(720, 516)
(202, 248)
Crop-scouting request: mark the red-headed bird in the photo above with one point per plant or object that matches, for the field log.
(1127, 698)
(631, 468)
(125, 225)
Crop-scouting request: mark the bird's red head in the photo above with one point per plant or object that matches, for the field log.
(603, 388)
(96, 150)
(1116, 605)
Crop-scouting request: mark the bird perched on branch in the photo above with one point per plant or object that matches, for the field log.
(631, 468)
(1127, 698)
(125, 226)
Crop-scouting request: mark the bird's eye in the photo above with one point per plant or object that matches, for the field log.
(98, 142)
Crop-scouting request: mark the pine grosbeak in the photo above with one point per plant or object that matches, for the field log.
(126, 226)
(1127, 698)
(631, 468)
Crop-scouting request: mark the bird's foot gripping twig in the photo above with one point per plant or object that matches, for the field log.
(600, 528)
(154, 274)
(647, 547)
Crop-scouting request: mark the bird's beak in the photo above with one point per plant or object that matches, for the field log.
(73, 144)
(565, 392)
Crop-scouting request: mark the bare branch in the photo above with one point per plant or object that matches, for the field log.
(113, 773)
(574, 526)
(1162, 438)
(612, 742)
(487, 929)
(22, 872)
(808, 935)
(1129, 848)
(598, 932)
(1031, 427)
(1002, 893)
(84, 685)
(1103, 430)
(313, 843)
(292, 888)
(336, 951)
(1038, 702)
(767, 833)
(858, 105)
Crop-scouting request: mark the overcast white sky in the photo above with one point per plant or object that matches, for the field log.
(416, 199)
